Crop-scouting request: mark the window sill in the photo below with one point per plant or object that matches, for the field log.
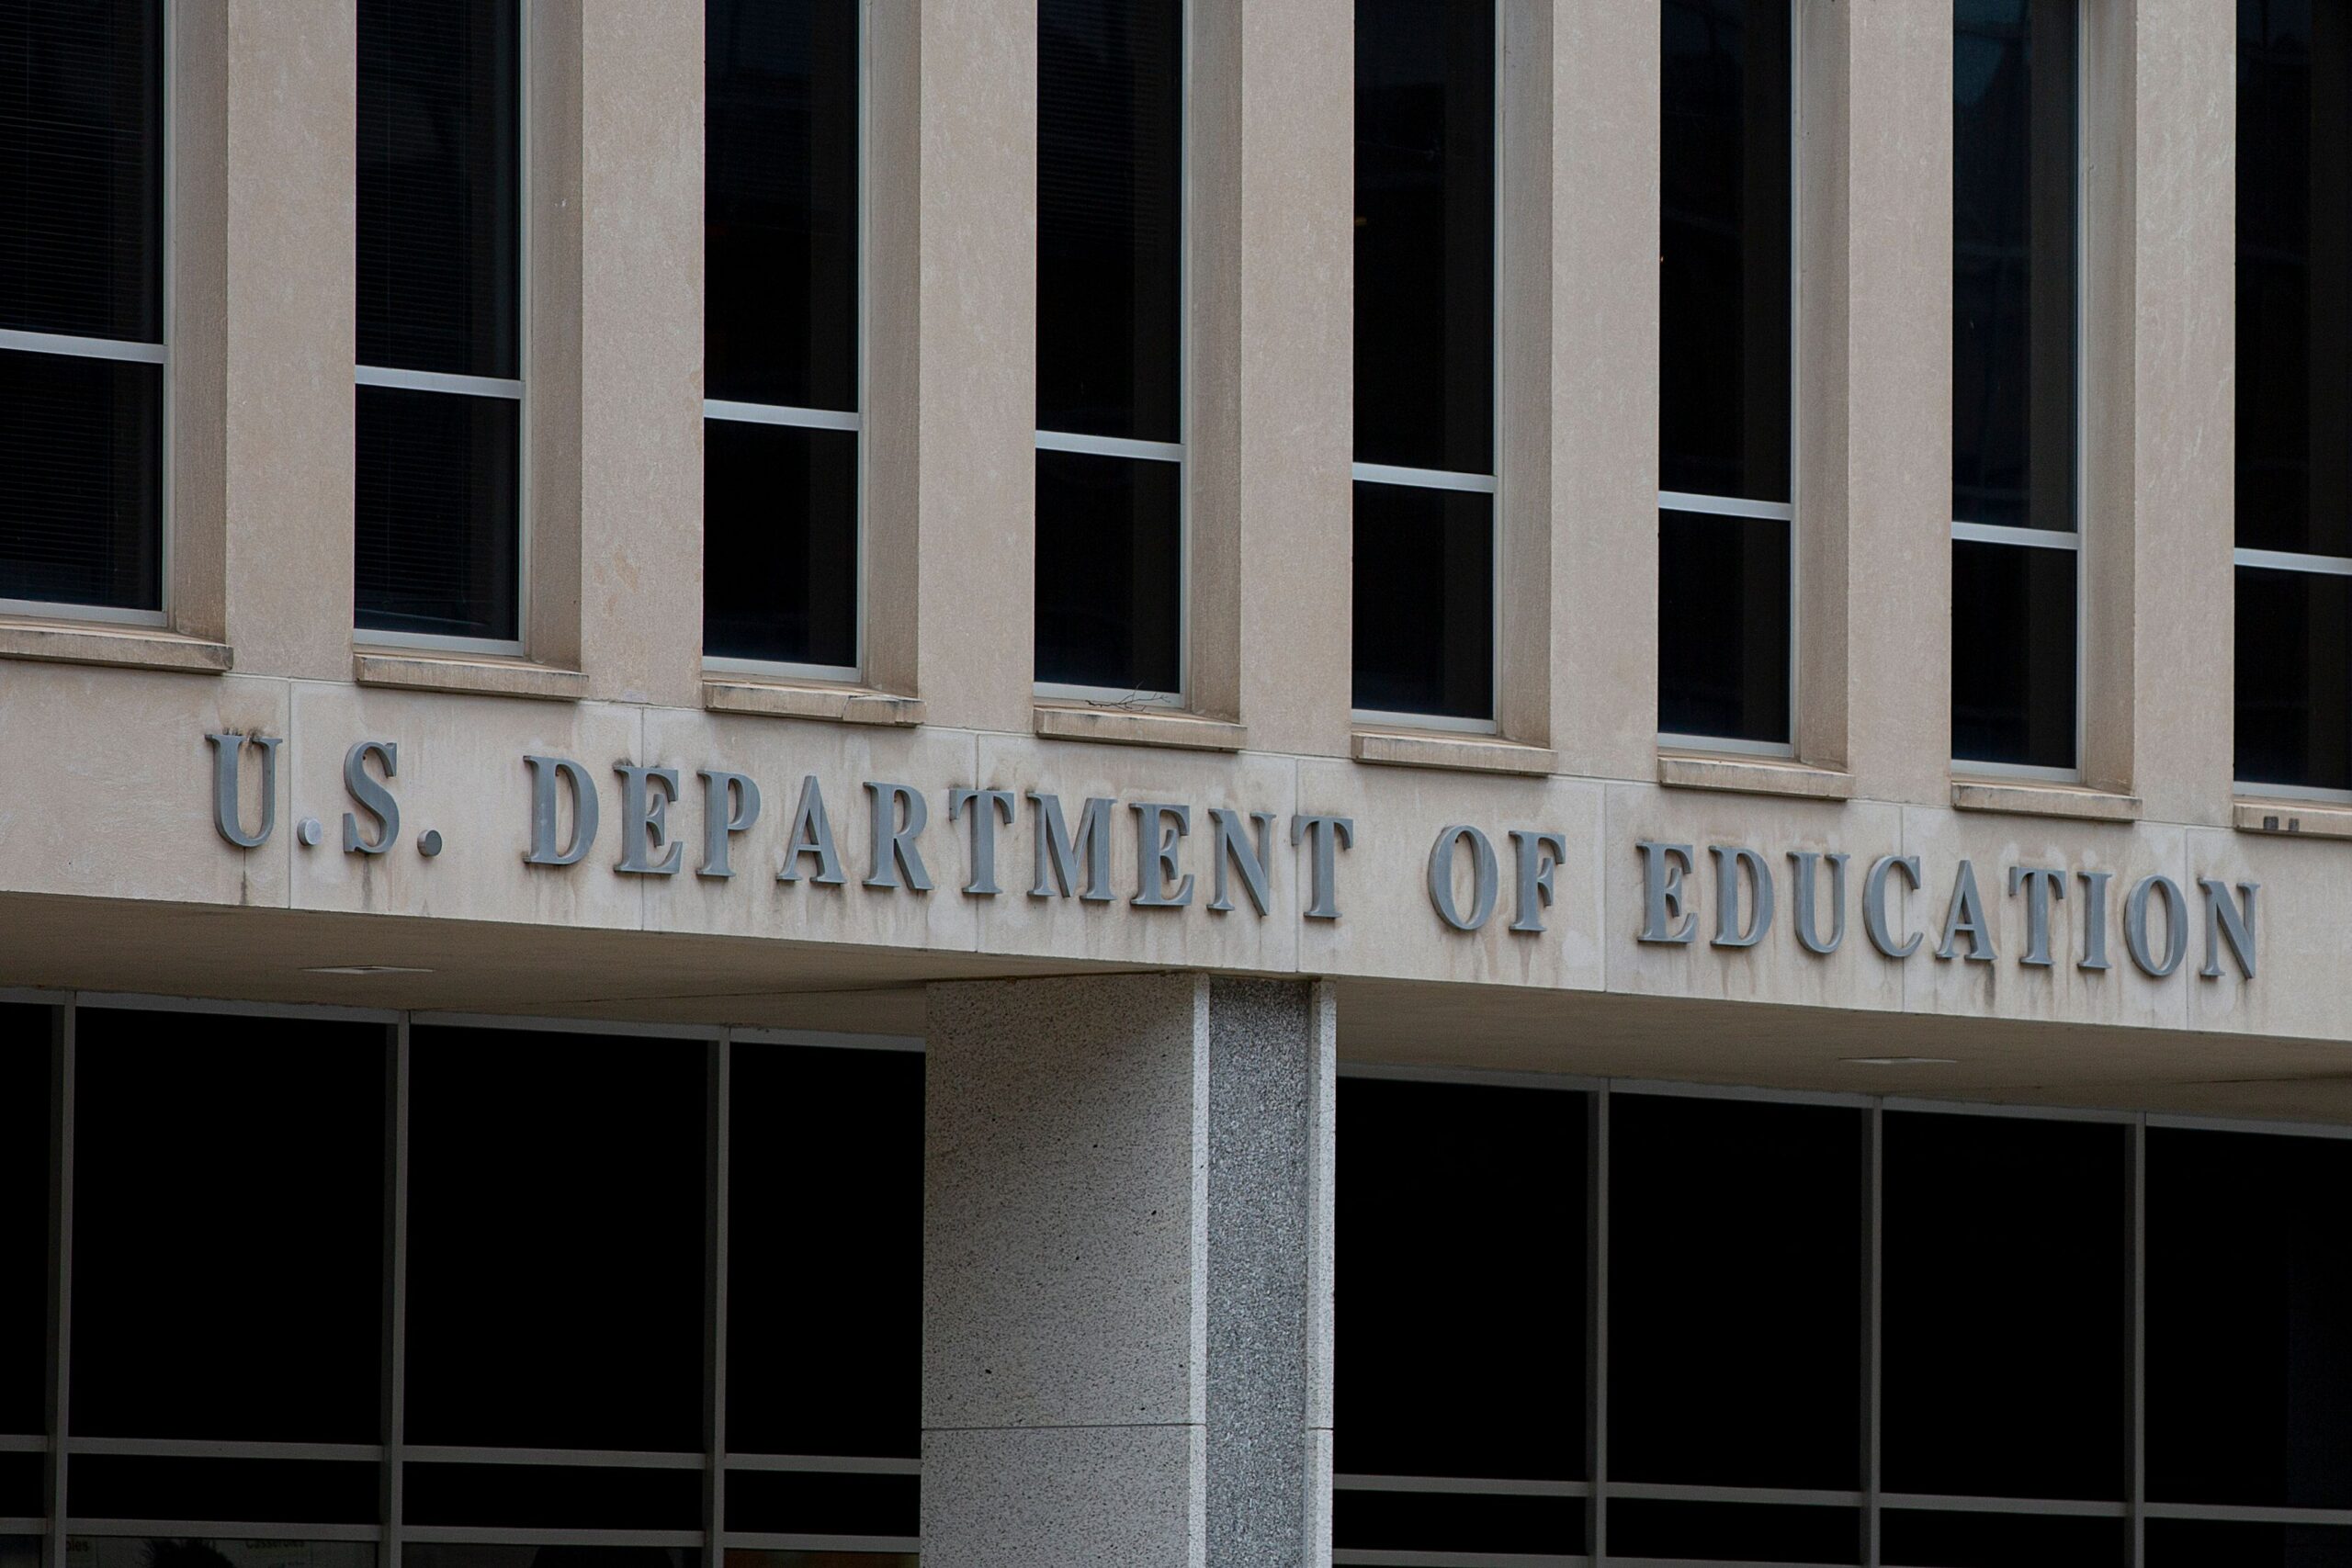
(2073, 801)
(1481, 754)
(1745, 775)
(2288, 819)
(840, 704)
(470, 677)
(1130, 727)
(81, 642)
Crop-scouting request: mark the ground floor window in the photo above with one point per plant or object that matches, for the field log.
(336, 1290)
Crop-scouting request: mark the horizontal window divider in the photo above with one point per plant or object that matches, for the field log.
(756, 1540)
(2246, 1514)
(214, 1529)
(1671, 1492)
(1110, 446)
(779, 413)
(1107, 697)
(503, 1535)
(826, 1464)
(2067, 1508)
(82, 348)
(2001, 533)
(1344, 1556)
(11, 1444)
(33, 1526)
(1725, 506)
(208, 1448)
(438, 381)
(572, 1459)
(2291, 561)
(1423, 478)
(1464, 1485)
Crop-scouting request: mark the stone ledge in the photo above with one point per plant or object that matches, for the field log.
(128, 647)
(470, 677)
(1139, 727)
(1745, 775)
(840, 704)
(1478, 754)
(2295, 820)
(2075, 801)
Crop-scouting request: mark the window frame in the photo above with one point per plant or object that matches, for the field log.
(2051, 538)
(1785, 512)
(517, 389)
(125, 351)
(1489, 484)
(830, 419)
(1179, 451)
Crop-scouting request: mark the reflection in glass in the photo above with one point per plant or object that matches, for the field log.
(1424, 601)
(1110, 573)
(437, 1554)
(2013, 611)
(2294, 678)
(1724, 631)
(744, 1557)
(25, 1043)
(780, 543)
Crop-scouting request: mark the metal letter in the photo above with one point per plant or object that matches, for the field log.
(1059, 851)
(1482, 876)
(2094, 919)
(1158, 827)
(1966, 913)
(2224, 919)
(812, 834)
(894, 845)
(1325, 836)
(986, 806)
(1875, 904)
(226, 751)
(2042, 883)
(1808, 937)
(731, 804)
(2136, 925)
(1234, 851)
(373, 798)
(1729, 858)
(1662, 868)
(645, 827)
(1538, 854)
(545, 772)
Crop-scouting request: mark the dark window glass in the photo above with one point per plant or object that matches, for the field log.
(780, 202)
(2200, 1543)
(21, 1497)
(779, 545)
(1365, 1523)
(214, 1551)
(2006, 1307)
(25, 1187)
(2013, 265)
(301, 1492)
(439, 182)
(227, 1228)
(1723, 627)
(438, 519)
(2013, 654)
(80, 463)
(1730, 1532)
(1424, 601)
(776, 1502)
(2001, 1540)
(1461, 1345)
(2249, 1304)
(824, 1262)
(81, 168)
(1110, 217)
(1425, 234)
(1724, 249)
(548, 1497)
(556, 1269)
(2294, 678)
(439, 544)
(1708, 1197)
(418, 1554)
(2294, 257)
(1110, 572)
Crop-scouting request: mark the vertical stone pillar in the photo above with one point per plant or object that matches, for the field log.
(1127, 1273)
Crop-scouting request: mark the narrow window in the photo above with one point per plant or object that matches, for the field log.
(440, 397)
(1425, 555)
(82, 308)
(2016, 545)
(1109, 584)
(2294, 399)
(1725, 511)
(781, 242)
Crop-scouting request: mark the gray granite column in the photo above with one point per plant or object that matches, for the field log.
(1127, 1273)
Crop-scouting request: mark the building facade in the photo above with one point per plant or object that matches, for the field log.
(1164, 782)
